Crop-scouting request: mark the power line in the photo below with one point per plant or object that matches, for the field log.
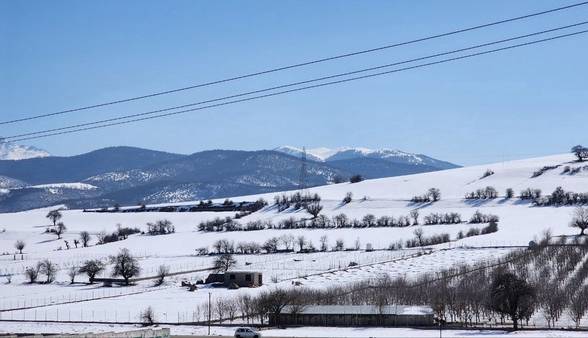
(273, 70)
(294, 83)
(312, 86)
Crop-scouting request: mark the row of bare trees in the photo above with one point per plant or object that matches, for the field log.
(547, 281)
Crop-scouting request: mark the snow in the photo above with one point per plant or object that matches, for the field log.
(335, 332)
(13, 151)
(75, 186)
(323, 154)
(519, 223)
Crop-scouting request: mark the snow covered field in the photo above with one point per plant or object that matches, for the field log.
(519, 223)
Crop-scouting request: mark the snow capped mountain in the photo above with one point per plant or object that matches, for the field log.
(13, 151)
(351, 153)
(297, 152)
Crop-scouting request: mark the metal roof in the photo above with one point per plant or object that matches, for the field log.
(360, 309)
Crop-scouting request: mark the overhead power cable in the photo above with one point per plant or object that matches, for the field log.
(310, 87)
(307, 63)
(293, 84)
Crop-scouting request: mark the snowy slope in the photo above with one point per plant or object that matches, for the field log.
(519, 223)
(13, 151)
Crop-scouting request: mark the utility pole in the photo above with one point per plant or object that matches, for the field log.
(303, 173)
(209, 311)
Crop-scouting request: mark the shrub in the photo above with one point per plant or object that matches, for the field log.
(162, 272)
(355, 179)
(161, 227)
(32, 273)
(490, 228)
(148, 317)
(348, 198)
(487, 173)
(479, 217)
(509, 193)
(47, 268)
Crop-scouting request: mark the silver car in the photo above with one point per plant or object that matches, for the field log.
(247, 332)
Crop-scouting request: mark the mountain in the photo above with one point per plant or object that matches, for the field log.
(128, 175)
(372, 163)
(13, 151)
(56, 169)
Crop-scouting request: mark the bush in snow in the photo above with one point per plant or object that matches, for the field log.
(339, 245)
(483, 193)
(440, 218)
(348, 198)
(32, 273)
(479, 217)
(355, 179)
(487, 173)
(148, 317)
(161, 227)
(162, 272)
(509, 193)
(47, 268)
(530, 194)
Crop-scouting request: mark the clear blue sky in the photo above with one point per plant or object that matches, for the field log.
(62, 54)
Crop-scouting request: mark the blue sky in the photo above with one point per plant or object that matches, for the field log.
(63, 54)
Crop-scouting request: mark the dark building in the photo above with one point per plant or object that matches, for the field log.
(238, 278)
(354, 315)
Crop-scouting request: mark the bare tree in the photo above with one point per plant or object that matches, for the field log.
(419, 234)
(19, 245)
(224, 262)
(314, 208)
(357, 244)
(85, 238)
(54, 216)
(48, 268)
(72, 273)
(148, 317)
(339, 245)
(553, 302)
(324, 243)
(435, 194)
(92, 268)
(581, 152)
(578, 305)
(580, 219)
(125, 265)
(60, 228)
(512, 296)
(162, 272)
(32, 273)
(301, 242)
(414, 214)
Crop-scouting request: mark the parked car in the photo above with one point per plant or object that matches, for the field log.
(247, 332)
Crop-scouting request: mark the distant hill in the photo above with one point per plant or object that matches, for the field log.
(128, 175)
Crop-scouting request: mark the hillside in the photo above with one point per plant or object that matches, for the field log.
(519, 222)
(127, 175)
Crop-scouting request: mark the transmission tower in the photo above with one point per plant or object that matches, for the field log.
(303, 173)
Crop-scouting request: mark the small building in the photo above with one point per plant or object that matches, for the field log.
(243, 279)
(354, 315)
(239, 278)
